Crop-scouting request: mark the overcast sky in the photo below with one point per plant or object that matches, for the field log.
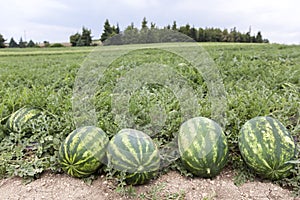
(56, 20)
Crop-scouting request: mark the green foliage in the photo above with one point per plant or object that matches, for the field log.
(197, 34)
(31, 44)
(43, 81)
(74, 39)
(174, 26)
(86, 37)
(2, 40)
(12, 43)
(83, 39)
(144, 23)
(108, 31)
(259, 80)
(22, 44)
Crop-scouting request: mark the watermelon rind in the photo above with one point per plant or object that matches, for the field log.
(19, 118)
(83, 151)
(267, 147)
(203, 147)
(135, 154)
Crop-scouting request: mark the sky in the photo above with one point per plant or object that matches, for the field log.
(56, 20)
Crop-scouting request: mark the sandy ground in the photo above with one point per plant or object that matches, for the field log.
(168, 186)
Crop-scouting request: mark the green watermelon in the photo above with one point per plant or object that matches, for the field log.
(202, 147)
(134, 153)
(83, 151)
(266, 145)
(18, 119)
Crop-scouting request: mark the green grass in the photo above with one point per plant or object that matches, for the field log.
(259, 79)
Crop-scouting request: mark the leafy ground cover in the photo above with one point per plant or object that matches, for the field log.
(258, 79)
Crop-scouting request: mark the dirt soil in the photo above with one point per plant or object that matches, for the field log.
(169, 186)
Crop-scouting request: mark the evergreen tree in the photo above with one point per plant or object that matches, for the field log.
(174, 26)
(201, 35)
(258, 37)
(225, 36)
(248, 37)
(185, 30)
(21, 43)
(2, 40)
(193, 33)
(80, 42)
(31, 44)
(144, 23)
(12, 43)
(117, 29)
(107, 32)
(146, 35)
(114, 30)
(86, 38)
(130, 35)
(153, 26)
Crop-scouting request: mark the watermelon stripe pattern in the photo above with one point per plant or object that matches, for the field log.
(266, 145)
(83, 151)
(19, 118)
(202, 147)
(134, 153)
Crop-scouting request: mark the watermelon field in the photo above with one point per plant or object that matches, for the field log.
(249, 80)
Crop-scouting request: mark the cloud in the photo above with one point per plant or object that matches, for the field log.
(279, 20)
(21, 19)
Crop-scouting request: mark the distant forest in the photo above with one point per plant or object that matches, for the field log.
(197, 34)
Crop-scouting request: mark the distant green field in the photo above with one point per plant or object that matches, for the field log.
(259, 80)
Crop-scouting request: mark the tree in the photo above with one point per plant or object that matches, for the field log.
(201, 35)
(225, 36)
(174, 26)
(74, 39)
(107, 32)
(46, 43)
(31, 44)
(153, 26)
(12, 43)
(130, 35)
(86, 37)
(193, 33)
(185, 29)
(150, 33)
(258, 37)
(2, 40)
(117, 29)
(21, 43)
(144, 23)
(80, 42)
(248, 37)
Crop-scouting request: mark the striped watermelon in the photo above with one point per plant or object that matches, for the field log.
(134, 153)
(266, 146)
(202, 147)
(18, 119)
(83, 151)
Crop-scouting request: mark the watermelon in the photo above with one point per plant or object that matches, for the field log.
(134, 153)
(83, 151)
(266, 146)
(202, 146)
(21, 117)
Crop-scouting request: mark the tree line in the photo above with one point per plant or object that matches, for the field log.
(197, 34)
(24, 44)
